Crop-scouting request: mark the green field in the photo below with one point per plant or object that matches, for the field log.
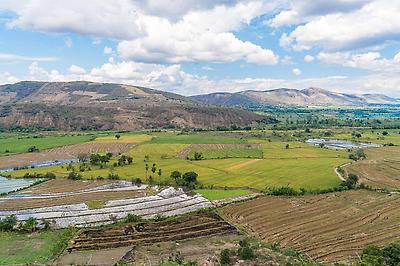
(300, 166)
(194, 138)
(35, 248)
(14, 144)
(216, 194)
(228, 153)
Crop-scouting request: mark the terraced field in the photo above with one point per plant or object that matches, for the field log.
(332, 227)
(72, 208)
(147, 233)
(380, 170)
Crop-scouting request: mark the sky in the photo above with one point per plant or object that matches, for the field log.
(195, 47)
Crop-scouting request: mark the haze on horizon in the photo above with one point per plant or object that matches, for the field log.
(194, 47)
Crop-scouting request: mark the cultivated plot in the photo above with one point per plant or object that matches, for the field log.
(332, 227)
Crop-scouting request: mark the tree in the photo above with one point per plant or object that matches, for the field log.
(147, 169)
(385, 133)
(287, 146)
(154, 168)
(117, 136)
(197, 156)
(129, 159)
(33, 149)
(83, 157)
(159, 172)
(190, 177)
(176, 175)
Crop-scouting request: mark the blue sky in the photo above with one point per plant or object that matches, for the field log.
(193, 47)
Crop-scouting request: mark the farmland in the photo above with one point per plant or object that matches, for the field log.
(12, 144)
(380, 170)
(333, 227)
(282, 163)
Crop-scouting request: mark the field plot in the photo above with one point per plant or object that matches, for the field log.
(27, 249)
(332, 227)
(62, 153)
(146, 233)
(101, 205)
(380, 170)
(216, 151)
(125, 138)
(10, 144)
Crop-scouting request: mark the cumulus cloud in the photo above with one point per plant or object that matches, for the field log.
(16, 58)
(296, 72)
(369, 61)
(107, 50)
(154, 31)
(372, 24)
(308, 58)
(77, 70)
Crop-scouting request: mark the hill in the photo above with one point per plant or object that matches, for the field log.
(283, 96)
(84, 105)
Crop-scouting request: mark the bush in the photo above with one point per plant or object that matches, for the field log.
(283, 191)
(74, 176)
(225, 257)
(132, 218)
(8, 223)
(245, 250)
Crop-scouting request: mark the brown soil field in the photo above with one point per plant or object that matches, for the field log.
(328, 228)
(61, 185)
(92, 197)
(62, 153)
(381, 169)
(185, 152)
(147, 233)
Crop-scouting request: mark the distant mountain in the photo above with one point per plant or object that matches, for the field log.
(88, 105)
(283, 96)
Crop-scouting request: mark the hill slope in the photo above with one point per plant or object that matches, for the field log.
(88, 105)
(282, 96)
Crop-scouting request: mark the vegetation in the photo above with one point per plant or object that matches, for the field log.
(386, 256)
(216, 194)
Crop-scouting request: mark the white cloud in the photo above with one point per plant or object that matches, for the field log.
(374, 23)
(308, 58)
(107, 50)
(77, 70)
(296, 72)
(173, 78)
(287, 60)
(154, 31)
(16, 58)
(370, 61)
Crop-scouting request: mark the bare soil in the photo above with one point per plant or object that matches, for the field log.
(331, 227)
(148, 233)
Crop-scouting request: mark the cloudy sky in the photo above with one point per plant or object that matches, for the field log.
(192, 47)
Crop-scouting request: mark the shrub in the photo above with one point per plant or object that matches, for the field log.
(225, 257)
(132, 218)
(8, 223)
(74, 176)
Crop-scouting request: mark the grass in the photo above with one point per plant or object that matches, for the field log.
(229, 153)
(14, 144)
(216, 194)
(300, 166)
(95, 204)
(195, 138)
(35, 248)
(126, 138)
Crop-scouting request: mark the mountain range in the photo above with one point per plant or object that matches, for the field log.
(82, 105)
(294, 97)
(85, 105)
